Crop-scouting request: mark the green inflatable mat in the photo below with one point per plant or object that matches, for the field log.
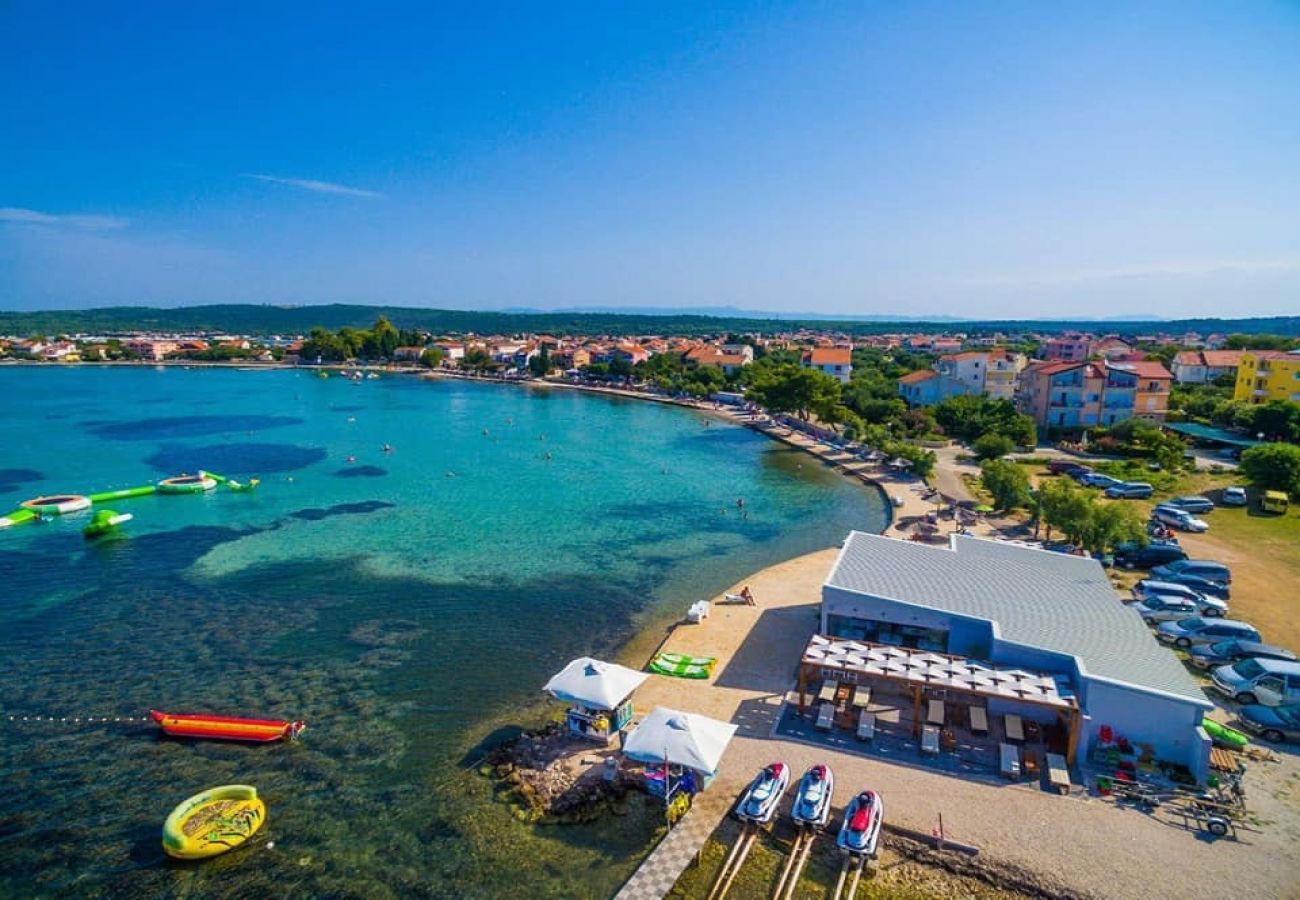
(681, 666)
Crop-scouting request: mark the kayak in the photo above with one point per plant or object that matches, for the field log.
(226, 728)
(213, 821)
(1224, 736)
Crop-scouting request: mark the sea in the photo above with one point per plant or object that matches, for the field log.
(418, 558)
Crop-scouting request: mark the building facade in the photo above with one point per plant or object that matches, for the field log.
(1018, 606)
(834, 361)
(1067, 347)
(1203, 366)
(1265, 375)
(1075, 396)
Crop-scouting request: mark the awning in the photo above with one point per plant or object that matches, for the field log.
(594, 683)
(680, 738)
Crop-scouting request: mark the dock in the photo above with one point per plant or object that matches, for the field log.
(659, 871)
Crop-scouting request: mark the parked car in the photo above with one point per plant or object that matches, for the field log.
(1234, 496)
(1221, 653)
(1133, 556)
(1130, 490)
(1179, 518)
(1062, 466)
(1165, 608)
(1270, 682)
(1230, 453)
(1272, 723)
(1098, 480)
(1197, 630)
(1081, 473)
(1205, 606)
(1200, 585)
(1274, 502)
(1204, 568)
(1198, 505)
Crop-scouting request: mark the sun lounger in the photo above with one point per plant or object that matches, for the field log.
(698, 612)
(930, 740)
(1015, 729)
(866, 726)
(861, 697)
(828, 691)
(1058, 773)
(979, 720)
(826, 717)
(1010, 761)
(935, 714)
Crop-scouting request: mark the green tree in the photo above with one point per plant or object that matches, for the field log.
(792, 388)
(386, 337)
(476, 359)
(1007, 482)
(1109, 524)
(967, 416)
(1065, 506)
(1273, 467)
(540, 363)
(432, 357)
(992, 445)
(1277, 420)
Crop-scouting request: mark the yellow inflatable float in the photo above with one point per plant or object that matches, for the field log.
(214, 821)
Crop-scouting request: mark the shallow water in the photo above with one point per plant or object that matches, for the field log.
(409, 605)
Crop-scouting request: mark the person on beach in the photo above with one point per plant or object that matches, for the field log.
(747, 595)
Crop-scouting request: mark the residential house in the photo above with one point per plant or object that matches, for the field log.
(1265, 375)
(408, 354)
(630, 353)
(151, 348)
(1110, 347)
(571, 358)
(966, 369)
(1068, 347)
(1151, 396)
(1001, 370)
(834, 361)
(1203, 366)
(1075, 395)
(451, 350)
(945, 344)
(922, 388)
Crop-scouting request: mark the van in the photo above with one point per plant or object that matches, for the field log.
(1271, 682)
(1273, 501)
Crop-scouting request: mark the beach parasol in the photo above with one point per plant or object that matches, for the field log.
(679, 738)
(594, 683)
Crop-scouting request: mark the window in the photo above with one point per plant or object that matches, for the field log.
(1248, 668)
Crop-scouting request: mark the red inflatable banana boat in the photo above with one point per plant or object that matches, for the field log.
(225, 728)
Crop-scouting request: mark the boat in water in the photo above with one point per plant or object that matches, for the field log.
(812, 799)
(758, 803)
(860, 832)
(226, 728)
(213, 821)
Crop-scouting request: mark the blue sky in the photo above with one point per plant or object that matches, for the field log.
(972, 159)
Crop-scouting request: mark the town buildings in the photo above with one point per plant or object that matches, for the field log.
(991, 373)
(1265, 375)
(1077, 395)
(1203, 366)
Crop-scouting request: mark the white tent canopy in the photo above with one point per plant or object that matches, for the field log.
(593, 683)
(681, 738)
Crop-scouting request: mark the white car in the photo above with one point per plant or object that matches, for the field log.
(1234, 496)
(1179, 518)
(1205, 605)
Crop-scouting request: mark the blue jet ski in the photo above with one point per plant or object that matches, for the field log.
(812, 800)
(758, 803)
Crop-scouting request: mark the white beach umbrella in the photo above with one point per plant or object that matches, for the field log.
(680, 738)
(594, 683)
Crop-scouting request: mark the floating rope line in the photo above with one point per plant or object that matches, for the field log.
(77, 720)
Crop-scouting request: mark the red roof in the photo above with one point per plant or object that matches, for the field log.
(1145, 369)
(831, 356)
(1222, 357)
(918, 376)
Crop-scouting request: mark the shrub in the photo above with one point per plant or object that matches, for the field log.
(992, 445)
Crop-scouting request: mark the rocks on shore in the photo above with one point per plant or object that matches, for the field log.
(551, 779)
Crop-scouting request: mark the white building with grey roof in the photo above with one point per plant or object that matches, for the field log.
(1019, 606)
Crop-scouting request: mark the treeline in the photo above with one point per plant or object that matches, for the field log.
(264, 320)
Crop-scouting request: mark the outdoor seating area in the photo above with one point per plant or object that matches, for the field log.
(939, 710)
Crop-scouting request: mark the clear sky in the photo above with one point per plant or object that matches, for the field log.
(976, 159)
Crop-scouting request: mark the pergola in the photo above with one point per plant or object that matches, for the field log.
(917, 672)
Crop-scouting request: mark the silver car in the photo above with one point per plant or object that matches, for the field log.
(1196, 630)
(1204, 604)
(1157, 608)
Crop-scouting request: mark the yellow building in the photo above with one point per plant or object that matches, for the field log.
(1265, 375)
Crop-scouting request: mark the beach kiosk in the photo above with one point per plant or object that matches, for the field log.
(600, 694)
(681, 750)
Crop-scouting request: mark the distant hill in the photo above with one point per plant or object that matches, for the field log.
(266, 320)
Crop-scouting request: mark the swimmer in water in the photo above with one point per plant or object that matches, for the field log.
(388, 448)
(352, 459)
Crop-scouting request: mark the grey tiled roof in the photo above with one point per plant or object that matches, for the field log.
(1036, 597)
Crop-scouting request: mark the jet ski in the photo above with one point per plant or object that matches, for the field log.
(861, 829)
(812, 800)
(759, 802)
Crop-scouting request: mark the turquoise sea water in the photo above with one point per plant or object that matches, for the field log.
(409, 605)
